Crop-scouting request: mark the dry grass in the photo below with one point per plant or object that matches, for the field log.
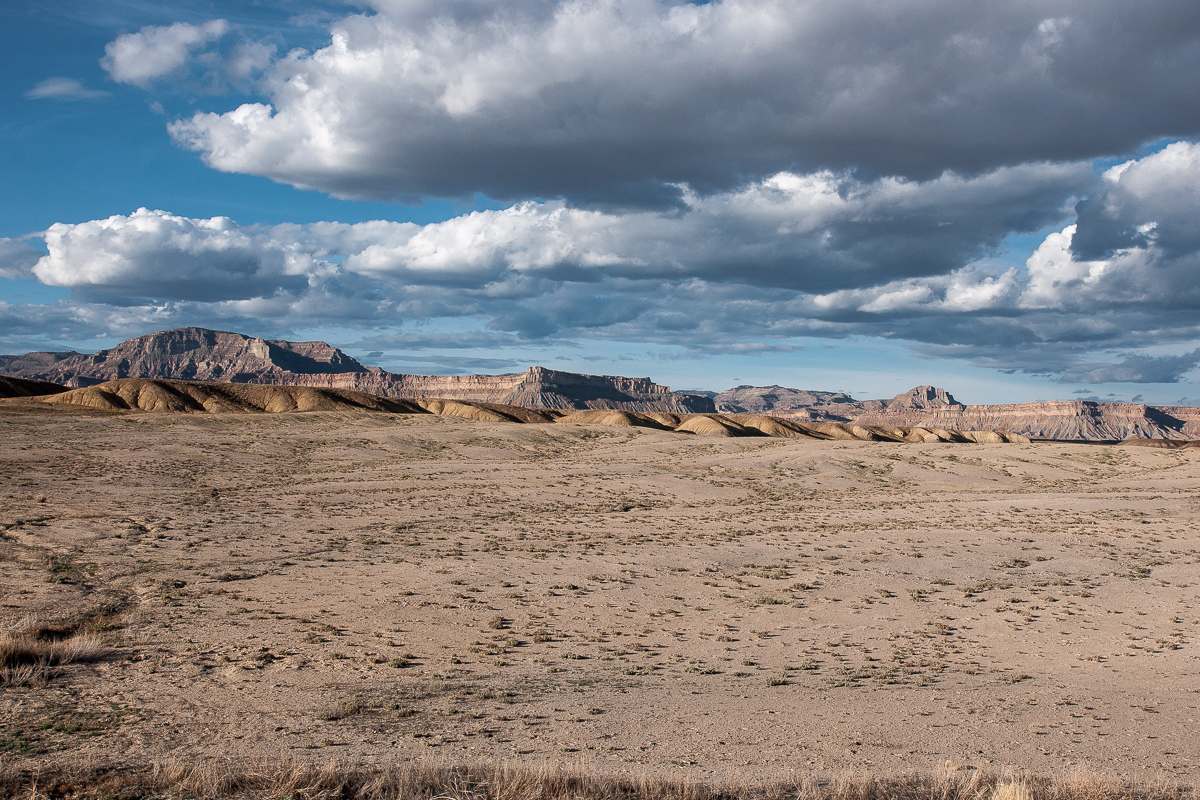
(423, 780)
(32, 654)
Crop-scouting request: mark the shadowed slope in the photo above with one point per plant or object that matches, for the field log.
(187, 397)
(23, 387)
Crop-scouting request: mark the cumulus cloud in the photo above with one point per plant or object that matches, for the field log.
(761, 267)
(623, 101)
(64, 89)
(805, 232)
(153, 254)
(158, 51)
(808, 233)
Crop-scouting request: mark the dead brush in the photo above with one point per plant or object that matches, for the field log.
(32, 654)
(428, 780)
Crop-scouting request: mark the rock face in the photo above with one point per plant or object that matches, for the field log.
(765, 399)
(925, 398)
(809, 406)
(934, 408)
(199, 354)
(1079, 420)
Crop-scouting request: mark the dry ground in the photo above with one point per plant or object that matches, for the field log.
(371, 586)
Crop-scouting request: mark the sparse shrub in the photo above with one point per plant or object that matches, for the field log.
(27, 659)
(339, 711)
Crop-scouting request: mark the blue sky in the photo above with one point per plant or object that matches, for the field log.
(843, 196)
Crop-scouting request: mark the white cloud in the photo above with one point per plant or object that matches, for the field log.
(810, 233)
(153, 254)
(157, 51)
(791, 256)
(64, 89)
(617, 101)
(806, 232)
(248, 60)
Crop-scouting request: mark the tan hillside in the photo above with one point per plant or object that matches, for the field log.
(191, 397)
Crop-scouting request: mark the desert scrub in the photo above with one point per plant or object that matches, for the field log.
(32, 655)
(339, 711)
(218, 780)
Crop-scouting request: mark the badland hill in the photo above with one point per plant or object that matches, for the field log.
(200, 397)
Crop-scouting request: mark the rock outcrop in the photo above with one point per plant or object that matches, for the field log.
(199, 354)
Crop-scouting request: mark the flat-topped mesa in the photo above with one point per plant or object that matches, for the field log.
(479, 388)
(930, 407)
(767, 399)
(1081, 420)
(537, 387)
(812, 406)
(547, 388)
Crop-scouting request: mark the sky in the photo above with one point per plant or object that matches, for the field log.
(1001, 199)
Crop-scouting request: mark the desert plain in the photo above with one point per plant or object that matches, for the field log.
(378, 586)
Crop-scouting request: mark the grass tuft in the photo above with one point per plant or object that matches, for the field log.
(32, 654)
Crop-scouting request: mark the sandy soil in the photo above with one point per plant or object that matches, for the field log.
(363, 585)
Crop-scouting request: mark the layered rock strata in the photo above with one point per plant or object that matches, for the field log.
(1079, 420)
(190, 397)
(199, 354)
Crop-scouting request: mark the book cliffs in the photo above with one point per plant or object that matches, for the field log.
(931, 407)
(199, 354)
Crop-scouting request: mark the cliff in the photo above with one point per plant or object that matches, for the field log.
(1080, 420)
(765, 399)
(931, 407)
(809, 406)
(199, 354)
